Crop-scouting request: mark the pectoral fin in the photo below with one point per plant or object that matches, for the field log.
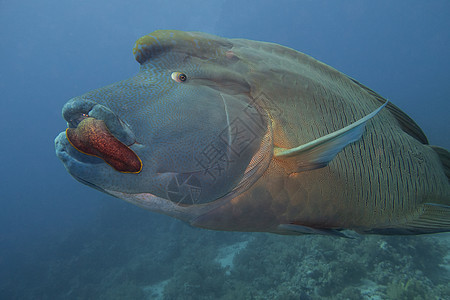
(318, 153)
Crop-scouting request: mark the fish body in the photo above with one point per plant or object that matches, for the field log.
(241, 135)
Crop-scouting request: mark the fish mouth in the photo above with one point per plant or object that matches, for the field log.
(94, 130)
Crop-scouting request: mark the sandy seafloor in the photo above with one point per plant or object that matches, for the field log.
(129, 253)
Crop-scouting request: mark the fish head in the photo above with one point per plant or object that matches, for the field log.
(185, 131)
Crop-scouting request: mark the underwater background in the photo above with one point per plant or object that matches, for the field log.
(60, 239)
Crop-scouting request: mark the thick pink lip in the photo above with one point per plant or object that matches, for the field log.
(92, 137)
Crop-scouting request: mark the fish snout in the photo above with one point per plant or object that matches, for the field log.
(93, 129)
(76, 110)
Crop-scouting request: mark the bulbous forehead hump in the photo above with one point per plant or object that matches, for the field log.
(202, 45)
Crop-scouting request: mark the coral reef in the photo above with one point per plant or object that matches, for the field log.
(128, 253)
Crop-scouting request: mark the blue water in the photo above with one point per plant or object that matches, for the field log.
(61, 239)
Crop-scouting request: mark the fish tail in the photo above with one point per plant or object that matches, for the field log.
(430, 217)
(444, 156)
(433, 218)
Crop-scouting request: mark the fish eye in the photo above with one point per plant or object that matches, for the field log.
(179, 77)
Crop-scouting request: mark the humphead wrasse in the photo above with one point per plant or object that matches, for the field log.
(240, 135)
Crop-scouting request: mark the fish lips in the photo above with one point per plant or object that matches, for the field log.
(97, 135)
